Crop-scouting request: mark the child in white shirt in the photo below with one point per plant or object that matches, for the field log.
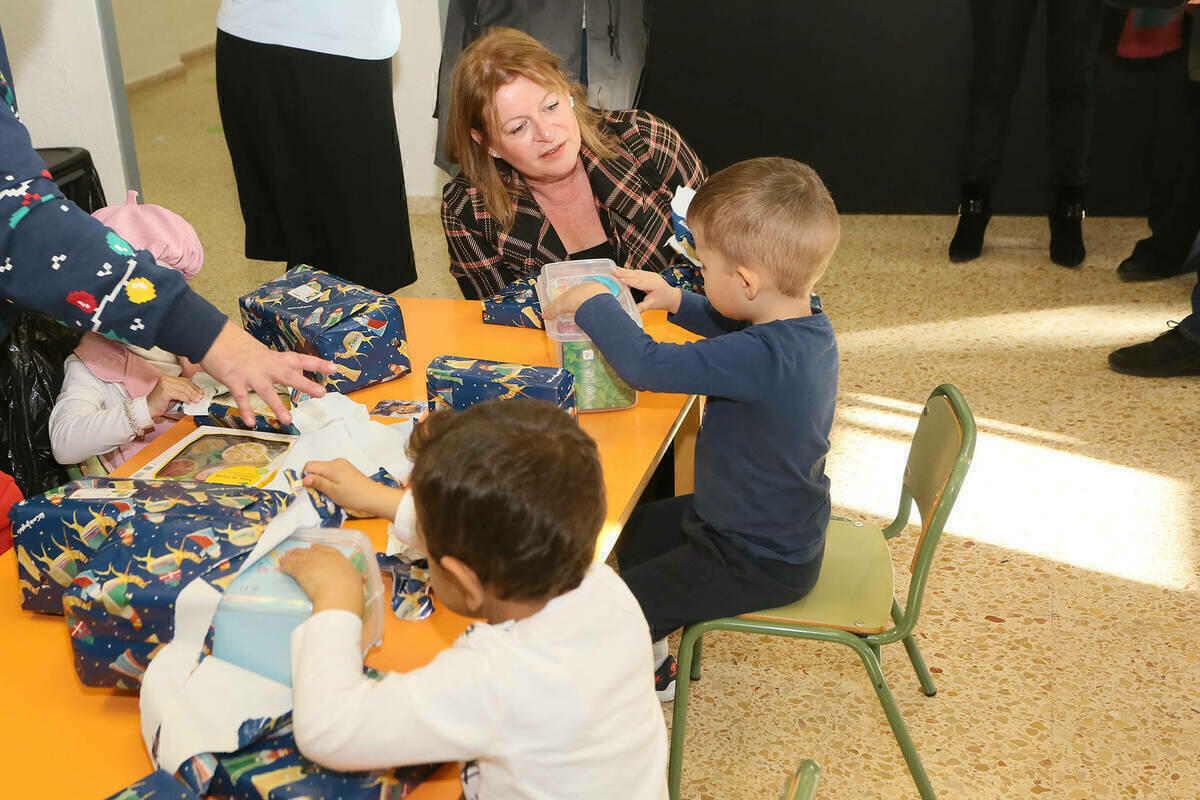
(114, 395)
(551, 695)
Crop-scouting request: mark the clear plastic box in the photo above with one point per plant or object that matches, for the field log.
(262, 606)
(597, 385)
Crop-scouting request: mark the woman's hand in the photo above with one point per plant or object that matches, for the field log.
(327, 577)
(168, 390)
(341, 482)
(569, 301)
(659, 293)
(245, 365)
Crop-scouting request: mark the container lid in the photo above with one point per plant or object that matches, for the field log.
(560, 276)
(264, 589)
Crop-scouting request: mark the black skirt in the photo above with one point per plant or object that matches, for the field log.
(317, 160)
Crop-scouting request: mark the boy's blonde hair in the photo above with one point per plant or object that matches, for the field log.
(773, 213)
(495, 60)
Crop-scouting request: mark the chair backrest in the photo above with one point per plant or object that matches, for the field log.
(941, 452)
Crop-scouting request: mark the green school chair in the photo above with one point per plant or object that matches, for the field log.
(803, 785)
(854, 597)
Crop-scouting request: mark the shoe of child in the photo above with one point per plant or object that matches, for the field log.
(664, 679)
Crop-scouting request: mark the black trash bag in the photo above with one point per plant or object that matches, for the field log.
(31, 375)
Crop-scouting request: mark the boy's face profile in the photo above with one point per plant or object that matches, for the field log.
(724, 285)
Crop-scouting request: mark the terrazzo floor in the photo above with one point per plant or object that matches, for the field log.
(1058, 610)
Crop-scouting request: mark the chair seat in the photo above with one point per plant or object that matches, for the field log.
(854, 590)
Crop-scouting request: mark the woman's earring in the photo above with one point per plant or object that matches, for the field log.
(493, 154)
(572, 100)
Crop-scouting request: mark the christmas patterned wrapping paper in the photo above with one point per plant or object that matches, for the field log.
(310, 311)
(685, 277)
(459, 383)
(121, 609)
(516, 305)
(158, 785)
(56, 533)
(222, 412)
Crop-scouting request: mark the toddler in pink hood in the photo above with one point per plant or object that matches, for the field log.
(115, 395)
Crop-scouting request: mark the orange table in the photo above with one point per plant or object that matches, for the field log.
(62, 739)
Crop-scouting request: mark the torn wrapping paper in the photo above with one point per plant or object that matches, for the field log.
(685, 277)
(683, 242)
(57, 533)
(273, 768)
(192, 704)
(218, 408)
(516, 305)
(404, 409)
(458, 383)
(412, 597)
(310, 311)
(158, 785)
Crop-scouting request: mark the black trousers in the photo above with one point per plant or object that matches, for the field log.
(317, 160)
(1172, 160)
(1000, 32)
(682, 572)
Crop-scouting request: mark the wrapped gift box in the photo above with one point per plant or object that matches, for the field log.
(459, 383)
(309, 311)
(159, 785)
(273, 768)
(516, 305)
(121, 609)
(58, 532)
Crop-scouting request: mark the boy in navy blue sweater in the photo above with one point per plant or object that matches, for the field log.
(752, 535)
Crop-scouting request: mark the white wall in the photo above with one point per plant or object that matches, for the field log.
(415, 77)
(61, 80)
(193, 23)
(148, 47)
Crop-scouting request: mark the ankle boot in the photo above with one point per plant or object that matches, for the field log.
(974, 213)
(1066, 227)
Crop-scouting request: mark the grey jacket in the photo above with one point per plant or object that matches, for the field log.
(616, 44)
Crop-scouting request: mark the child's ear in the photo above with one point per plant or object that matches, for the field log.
(751, 281)
(468, 581)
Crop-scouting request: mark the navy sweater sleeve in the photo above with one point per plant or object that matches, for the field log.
(729, 365)
(697, 315)
(59, 260)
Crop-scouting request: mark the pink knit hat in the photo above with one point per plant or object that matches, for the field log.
(168, 236)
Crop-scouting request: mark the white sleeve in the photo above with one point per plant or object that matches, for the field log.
(445, 711)
(89, 416)
(404, 526)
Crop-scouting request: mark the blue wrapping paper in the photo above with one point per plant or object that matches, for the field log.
(57, 533)
(459, 383)
(412, 595)
(310, 311)
(274, 769)
(120, 610)
(158, 785)
(516, 305)
(224, 415)
(686, 277)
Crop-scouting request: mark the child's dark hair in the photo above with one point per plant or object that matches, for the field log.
(512, 489)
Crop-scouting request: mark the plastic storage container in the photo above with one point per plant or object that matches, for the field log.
(262, 606)
(597, 385)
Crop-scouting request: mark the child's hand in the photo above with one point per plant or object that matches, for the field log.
(327, 577)
(659, 293)
(569, 301)
(169, 390)
(342, 483)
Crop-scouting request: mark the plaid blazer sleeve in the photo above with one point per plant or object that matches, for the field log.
(474, 262)
(672, 157)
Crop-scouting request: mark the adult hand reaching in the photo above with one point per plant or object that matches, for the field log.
(244, 364)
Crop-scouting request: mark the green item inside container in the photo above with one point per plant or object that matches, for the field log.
(597, 385)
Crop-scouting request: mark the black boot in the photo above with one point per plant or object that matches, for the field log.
(974, 213)
(1170, 355)
(1066, 227)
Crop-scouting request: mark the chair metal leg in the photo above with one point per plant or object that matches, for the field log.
(892, 711)
(696, 651)
(689, 646)
(914, 655)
